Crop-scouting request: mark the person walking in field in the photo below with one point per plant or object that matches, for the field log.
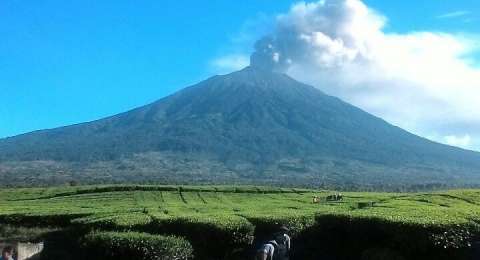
(266, 251)
(284, 245)
(278, 248)
(7, 253)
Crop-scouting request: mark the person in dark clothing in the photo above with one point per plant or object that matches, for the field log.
(276, 247)
(284, 243)
(7, 253)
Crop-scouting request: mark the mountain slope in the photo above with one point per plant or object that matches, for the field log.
(249, 126)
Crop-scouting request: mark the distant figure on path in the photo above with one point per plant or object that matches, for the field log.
(335, 197)
(7, 253)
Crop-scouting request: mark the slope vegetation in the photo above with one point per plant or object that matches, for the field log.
(251, 126)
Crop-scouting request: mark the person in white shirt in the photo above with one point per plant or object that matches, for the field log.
(266, 251)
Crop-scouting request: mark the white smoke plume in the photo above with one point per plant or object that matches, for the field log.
(424, 82)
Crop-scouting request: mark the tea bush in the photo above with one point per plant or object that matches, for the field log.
(131, 245)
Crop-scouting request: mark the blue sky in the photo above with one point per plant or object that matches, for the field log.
(65, 62)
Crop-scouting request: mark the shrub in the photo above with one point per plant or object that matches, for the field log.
(110, 221)
(266, 225)
(212, 236)
(130, 245)
(350, 237)
(40, 220)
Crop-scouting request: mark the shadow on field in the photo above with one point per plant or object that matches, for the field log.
(64, 244)
(342, 238)
(329, 238)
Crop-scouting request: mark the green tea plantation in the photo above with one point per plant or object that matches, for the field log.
(225, 222)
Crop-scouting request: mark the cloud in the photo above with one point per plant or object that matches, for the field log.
(453, 14)
(230, 63)
(460, 141)
(425, 82)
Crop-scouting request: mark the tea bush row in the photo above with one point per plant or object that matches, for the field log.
(133, 245)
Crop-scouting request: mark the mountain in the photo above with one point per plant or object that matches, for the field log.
(250, 126)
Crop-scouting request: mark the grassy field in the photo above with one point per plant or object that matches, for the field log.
(234, 215)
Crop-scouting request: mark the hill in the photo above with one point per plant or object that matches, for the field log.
(250, 126)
